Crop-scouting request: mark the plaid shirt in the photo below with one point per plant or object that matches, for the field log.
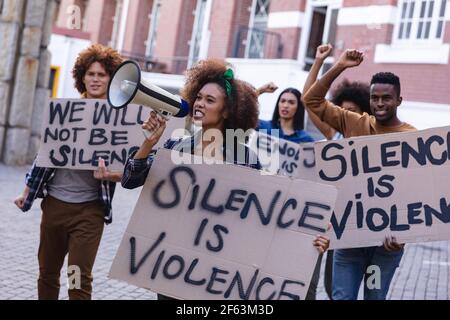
(136, 170)
(38, 178)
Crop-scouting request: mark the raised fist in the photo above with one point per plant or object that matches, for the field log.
(351, 58)
(323, 51)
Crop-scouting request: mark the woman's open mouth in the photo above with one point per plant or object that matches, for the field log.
(198, 115)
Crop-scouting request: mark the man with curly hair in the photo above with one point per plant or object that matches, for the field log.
(76, 204)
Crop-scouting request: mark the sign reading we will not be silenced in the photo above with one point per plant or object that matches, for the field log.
(77, 132)
(223, 232)
(283, 157)
(389, 185)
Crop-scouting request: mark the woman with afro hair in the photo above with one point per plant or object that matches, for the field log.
(218, 102)
(351, 96)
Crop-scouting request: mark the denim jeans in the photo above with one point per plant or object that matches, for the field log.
(350, 268)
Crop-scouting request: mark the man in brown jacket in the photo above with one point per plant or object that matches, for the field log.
(350, 265)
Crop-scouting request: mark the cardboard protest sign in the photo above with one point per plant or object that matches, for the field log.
(283, 157)
(389, 185)
(77, 132)
(223, 232)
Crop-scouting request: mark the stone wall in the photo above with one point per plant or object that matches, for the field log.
(25, 29)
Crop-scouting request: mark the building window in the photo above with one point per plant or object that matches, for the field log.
(198, 32)
(258, 26)
(84, 15)
(421, 20)
(441, 20)
(316, 34)
(322, 28)
(116, 24)
(153, 32)
(56, 12)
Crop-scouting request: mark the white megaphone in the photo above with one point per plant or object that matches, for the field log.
(128, 87)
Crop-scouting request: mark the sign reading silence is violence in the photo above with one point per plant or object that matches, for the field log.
(389, 185)
(77, 132)
(223, 232)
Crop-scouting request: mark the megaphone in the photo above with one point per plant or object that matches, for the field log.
(128, 87)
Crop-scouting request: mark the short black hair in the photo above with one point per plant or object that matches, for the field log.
(299, 117)
(356, 92)
(387, 78)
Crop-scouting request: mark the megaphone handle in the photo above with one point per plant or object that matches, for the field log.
(148, 133)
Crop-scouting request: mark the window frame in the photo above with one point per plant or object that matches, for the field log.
(198, 45)
(415, 21)
(253, 38)
(152, 37)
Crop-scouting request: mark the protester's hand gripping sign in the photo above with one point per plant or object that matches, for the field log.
(279, 156)
(389, 185)
(223, 232)
(77, 132)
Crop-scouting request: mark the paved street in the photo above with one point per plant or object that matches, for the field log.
(423, 273)
(19, 243)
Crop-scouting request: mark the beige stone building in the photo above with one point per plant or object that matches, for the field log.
(25, 30)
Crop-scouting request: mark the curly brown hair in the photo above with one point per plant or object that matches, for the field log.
(356, 92)
(109, 58)
(242, 105)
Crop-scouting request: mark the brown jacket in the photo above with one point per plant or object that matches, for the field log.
(350, 124)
